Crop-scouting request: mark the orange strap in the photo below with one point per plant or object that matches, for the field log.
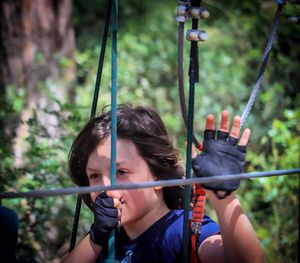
(194, 257)
(196, 220)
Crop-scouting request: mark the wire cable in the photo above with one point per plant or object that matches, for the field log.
(152, 184)
(263, 66)
(113, 129)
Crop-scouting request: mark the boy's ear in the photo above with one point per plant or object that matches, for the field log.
(158, 187)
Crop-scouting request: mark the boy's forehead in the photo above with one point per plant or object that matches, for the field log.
(126, 151)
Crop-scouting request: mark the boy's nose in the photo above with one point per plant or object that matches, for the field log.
(106, 180)
(114, 194)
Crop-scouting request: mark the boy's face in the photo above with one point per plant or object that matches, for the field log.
(139, 206)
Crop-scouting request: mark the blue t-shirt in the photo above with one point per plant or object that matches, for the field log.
(161, 242)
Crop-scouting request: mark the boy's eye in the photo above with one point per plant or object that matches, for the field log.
(121, 172)
(93, 176)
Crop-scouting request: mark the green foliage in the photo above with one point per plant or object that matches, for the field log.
(43, 221)
(275, 200)
(11, 106)
(147, 75)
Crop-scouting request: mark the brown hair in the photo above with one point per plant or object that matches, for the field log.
(142, 126)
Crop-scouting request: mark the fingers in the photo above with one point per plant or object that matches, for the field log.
(194, 151)
(118, 205)
(210, 132)
(116, 196)
(224, 126)
(245, 137)
(235, 130)
(116, 199)
(222, 133)
(210, 122)
(112, 201)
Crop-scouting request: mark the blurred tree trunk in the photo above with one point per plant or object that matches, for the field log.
(35, 37)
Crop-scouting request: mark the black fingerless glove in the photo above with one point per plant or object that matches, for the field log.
(220, 156)
(105, 219)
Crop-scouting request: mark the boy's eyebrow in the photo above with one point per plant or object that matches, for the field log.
(122, 163)
(93, 169)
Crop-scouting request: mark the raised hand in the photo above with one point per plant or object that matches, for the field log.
(223, 154)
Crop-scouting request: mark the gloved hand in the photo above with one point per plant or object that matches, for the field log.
(105, 219)
(220, 156)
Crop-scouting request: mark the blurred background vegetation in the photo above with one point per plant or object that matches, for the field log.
(56, 106)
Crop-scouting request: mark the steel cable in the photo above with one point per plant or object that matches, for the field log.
(263, 66)
(165, 183)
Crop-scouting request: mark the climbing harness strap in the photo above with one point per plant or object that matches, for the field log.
(197, 219)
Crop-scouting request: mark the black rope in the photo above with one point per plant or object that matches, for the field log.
(182, 99)
(180, 71)
(164, 183)
(75, 223)
(93, 112)
(101, 59)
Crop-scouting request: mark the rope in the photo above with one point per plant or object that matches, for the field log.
(113, 154)
(263, 66)
(181, 80)
(164, 183)
(187, 193)
(75, 223)
(193, 78)
(101, 59)
(93, 112)
(114, 31)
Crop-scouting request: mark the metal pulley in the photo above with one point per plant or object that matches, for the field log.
(198, 12)
(182, 11)
(196, 35)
